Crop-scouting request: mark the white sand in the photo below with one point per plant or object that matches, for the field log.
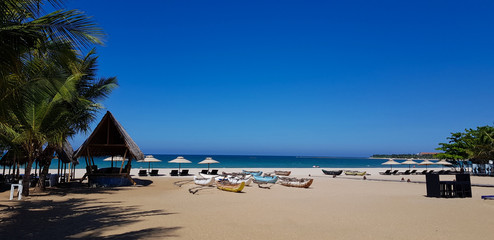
(333, 208)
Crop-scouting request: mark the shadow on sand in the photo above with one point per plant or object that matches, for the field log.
(83, 218)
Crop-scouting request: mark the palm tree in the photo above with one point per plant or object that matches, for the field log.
(43, 99)
(23, 29)
(82, 110)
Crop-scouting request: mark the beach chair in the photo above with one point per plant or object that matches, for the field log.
(184, 172)
(388, 172)
(414, 171)
(395, 172)
(142, 173)
(431, 171)
(407, 172)
(424, 172)
(204, 171)
(174, 173)
(440, 172)
(154, 172)
(447, 172)
(214, 172)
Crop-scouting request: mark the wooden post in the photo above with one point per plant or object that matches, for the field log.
(70, 171)
(123, 160)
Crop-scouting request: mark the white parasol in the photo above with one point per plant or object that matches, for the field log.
(443, 163)
(426, 163)
(208, 161)
(149, 159)
(179, 160)
(409, 162)
(113, 158)
(391, 162)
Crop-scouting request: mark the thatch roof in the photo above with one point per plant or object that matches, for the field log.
(66, 153)
(109, 138)
(11, 155)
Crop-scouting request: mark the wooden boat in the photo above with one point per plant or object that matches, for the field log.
(296, 182)
(207, 175)
(253, 173)
(203, 181)
(334, 173)
(282, 173)
(225, 185)
(236, 180)
(355, 173)
(266, 179)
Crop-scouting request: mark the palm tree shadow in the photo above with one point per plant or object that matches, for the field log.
(77, 218)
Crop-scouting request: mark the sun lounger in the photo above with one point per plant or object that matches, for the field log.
(154, 172)
(174, 173)
(388, 172)
(214, 172)
(414, 171)
(424, 172)
(407, 172)
(184, 172)
(395, 172)
(143, 173)
(204, 171)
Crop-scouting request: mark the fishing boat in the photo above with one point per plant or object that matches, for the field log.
(253, 173)
(296, 182)
(334, 173)
(282, 173)
(236, 179)
(266, 179)
(203, 175)
(203, 181)
(355, 173)
(225, 185)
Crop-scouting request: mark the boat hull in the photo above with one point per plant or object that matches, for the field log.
(333, 173)
(267, 179)
(282, 173)
(300, 183)
(227, 186)
(203, 181)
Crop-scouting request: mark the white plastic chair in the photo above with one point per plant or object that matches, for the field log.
(19, 190)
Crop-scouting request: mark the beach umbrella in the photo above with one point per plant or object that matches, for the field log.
(409, 162)
(113, 158)
(208, 161)
(444, 162)
(391, 162)
(426, 163)
(149, 159)
(179, 160)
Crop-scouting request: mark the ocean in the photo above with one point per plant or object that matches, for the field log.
(238, 161)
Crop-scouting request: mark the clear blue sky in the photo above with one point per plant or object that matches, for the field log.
(329, 78)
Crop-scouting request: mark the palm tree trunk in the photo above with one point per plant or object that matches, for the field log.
(26, 180)
(45, 162)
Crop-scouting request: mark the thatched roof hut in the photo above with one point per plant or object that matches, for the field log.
(109, 138)
(66, 153)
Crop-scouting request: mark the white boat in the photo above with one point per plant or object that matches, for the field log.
(236, 180)
(203, 181)
(207, 175)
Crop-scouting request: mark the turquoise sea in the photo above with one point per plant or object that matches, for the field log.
(238, 161)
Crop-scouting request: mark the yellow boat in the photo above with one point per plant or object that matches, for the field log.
(225, 185)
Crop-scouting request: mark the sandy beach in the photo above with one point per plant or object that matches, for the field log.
(381, 207)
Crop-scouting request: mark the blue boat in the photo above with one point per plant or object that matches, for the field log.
(266, 179)
(253, 173)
